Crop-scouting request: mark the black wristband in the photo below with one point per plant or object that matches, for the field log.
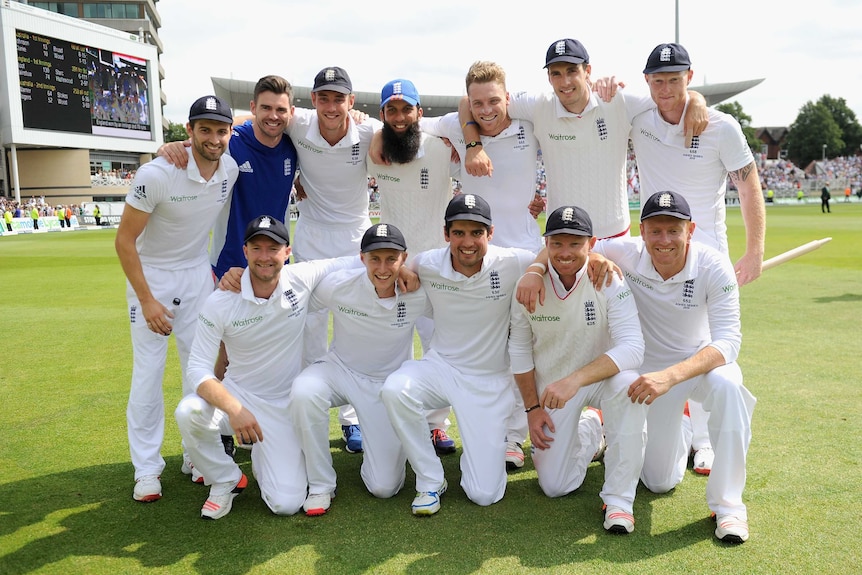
(529, 409)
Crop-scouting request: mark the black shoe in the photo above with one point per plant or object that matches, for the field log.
(229, 447)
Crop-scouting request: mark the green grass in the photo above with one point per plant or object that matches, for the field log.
(66, 506)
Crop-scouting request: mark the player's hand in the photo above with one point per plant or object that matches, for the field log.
(375, 150)
(537, 421)
(537, 206)
(175, 153)
(358, 117)
(531, 288)
(559, 393)
(478, 163)
(748, 269)
(300, 190)
(601, 270)
(607, 87)
(231, 280)
(696, 118)
(649, 386)
(158, 317)
(246, 427)
(408, 280)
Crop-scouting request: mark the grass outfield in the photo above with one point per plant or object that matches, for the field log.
(66, 479)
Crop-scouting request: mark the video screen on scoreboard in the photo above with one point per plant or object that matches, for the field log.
(68, 87)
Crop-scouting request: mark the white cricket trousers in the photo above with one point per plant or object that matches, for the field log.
(482, 404)
(562, 467)
(145, 412)
(277, 461)
(730, 406)
(329, 383)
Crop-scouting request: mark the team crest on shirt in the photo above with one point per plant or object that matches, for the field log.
(133, 312)
(521, 143)
(687, 296)
(590, 312)
(400, 315)
(139, 192)
(495, 285)
(225, 190)
(693, 152)
(289, 298)
(424, 178)
(602, 128)
(355, 157)
(288, 167)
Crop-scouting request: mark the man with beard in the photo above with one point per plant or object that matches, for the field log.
(162, 247)
(415, 188)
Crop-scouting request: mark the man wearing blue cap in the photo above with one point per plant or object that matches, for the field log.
(415, 186)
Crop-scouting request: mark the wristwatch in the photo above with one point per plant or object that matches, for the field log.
(473, 144)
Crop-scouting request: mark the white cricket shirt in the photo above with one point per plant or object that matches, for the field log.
(183, 208)
(370, 335)
(471, 314)
(683, 314)
(414, 196)
(585, 154)
(263, 337)
(335, 177)
(574, 328)
(698, 173)
(511, 188)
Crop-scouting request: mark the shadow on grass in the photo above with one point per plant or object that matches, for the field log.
(90, 513)
(847, 298)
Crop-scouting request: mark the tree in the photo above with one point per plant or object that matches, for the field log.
(813, 129)
(735, 109)
(175, 132)
(851, 131)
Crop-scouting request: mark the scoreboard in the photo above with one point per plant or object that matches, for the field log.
(69, 87)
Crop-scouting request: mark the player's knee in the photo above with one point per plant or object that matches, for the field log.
(658, 485)
(484, 497)
(394, 389)
(189, 411)
(284, 503)
(554, 489)
(382, 491)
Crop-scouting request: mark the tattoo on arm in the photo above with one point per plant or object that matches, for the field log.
(741, 174)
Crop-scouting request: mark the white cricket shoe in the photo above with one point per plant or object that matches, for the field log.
(514, 455)
(703, 459)
(618, 521)
(221, 497)
(317, 503)
(731, 529)
(188, 468)
(428, 502)
(148, 488)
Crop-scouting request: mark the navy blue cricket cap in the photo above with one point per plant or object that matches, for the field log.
(267, 226)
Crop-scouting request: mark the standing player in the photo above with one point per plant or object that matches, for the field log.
(372, 336)
(267, 167)
(470, 285)
(415, 188)
(261, 328)
(584, 139)
(700, 171)
(162, 246)
(558, 379)
(333, 216)
(513, 148)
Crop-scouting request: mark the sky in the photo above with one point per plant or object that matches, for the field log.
(801, 54)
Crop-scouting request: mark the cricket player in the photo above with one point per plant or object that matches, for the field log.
(699, 172)
(372, 335)
(162, 246)
(582, 348)
(470, 285)
(688, 300)
(261, 328)
(415, 187)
